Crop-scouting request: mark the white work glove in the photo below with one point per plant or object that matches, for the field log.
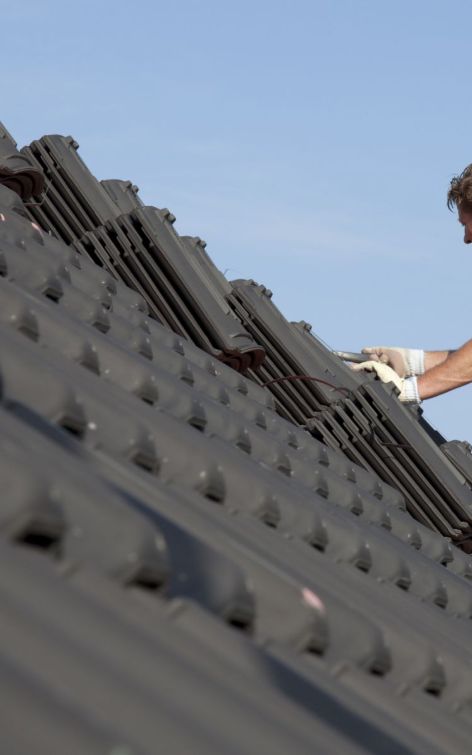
(405, 362)
(407, 387)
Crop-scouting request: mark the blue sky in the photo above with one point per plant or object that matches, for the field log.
(310, 143)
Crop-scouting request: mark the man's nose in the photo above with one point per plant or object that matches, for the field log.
(467, 235)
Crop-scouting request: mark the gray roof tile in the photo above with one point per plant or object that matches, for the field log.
(193, 561)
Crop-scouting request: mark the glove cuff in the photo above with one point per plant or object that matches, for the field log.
(409, 393)
(414, 362)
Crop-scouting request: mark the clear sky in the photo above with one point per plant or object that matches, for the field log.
(310, 142)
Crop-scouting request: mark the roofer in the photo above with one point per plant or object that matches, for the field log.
(422, 374)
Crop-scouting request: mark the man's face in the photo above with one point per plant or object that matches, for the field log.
(465, 218)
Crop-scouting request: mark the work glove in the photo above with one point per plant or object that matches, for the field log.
(405, 362)
(407, 387)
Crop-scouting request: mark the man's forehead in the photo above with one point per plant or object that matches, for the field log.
(464, 214)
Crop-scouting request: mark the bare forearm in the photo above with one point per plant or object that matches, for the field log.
(433, 358)
(448, 373)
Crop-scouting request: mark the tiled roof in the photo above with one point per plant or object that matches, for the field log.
(216, 538)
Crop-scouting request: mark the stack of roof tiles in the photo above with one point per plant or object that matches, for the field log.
(215, 538)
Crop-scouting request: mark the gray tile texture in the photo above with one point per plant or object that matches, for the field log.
(193, 561)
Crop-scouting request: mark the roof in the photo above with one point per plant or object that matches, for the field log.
(216, 537)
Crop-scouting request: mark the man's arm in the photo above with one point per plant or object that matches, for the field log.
(433, 358)
(446, 373)
(420, 374)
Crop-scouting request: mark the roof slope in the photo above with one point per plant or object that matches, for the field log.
(186, 568)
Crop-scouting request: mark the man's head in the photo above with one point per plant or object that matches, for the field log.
(460, 196)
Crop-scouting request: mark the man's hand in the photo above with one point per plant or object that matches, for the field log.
(405, 362)
(406, 387)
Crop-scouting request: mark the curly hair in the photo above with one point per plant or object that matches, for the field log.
(460, 190)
